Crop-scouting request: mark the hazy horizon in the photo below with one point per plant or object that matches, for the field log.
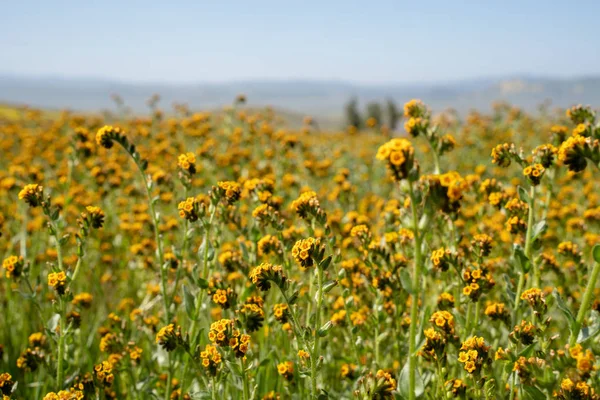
(276, 80)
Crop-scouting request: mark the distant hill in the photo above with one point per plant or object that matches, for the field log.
(322, 99)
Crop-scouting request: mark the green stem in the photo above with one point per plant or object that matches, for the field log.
(469, 316)
(59, 257)
(245, 378)
(476, 317)
(377, 344)
(352, 338)
(200, 297)
(513, 383)
(157, 239)
(207, 230)
(436, 159)
(169, 378)
(518, 297)
(440, 378)
(314, 357)
(23, 234)
(528, 237)
(585, 304)
(412, 356)
(76, 271)
(295, 323)
(34, 300)
(61, 346)
(214, 388)
(547, 201)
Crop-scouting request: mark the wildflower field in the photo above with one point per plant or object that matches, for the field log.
(186, 255)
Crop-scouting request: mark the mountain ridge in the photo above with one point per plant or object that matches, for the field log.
(320, 98)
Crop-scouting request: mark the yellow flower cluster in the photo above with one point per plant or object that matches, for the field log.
(483, 244)
(413, 108)
(585, 359)
(57, 280)
(497, 311)
(286, 369)
(71, 394)
(441, 258)
(571, 390)
(93, 216)
(231, 190)
(573, 152)
(388, 383)
(240, 344)
(6, 383)
(169, 337)
(268, 244)
(534, 173)
(104, 373)
(360, 231)
(535, 298)
(306, 204)
(188, 209)
(106, 135)
(211, 358)
(82, 299)
(399, 155)
(265, 272)
(187, 162)
(223, 297)
(222, 331)
(303, 251)
(444, 321)
(33, 194)
(502, 153)
(473, 354)
(13, 266)
(281, 312)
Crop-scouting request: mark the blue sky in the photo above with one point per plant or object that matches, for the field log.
(359, 41)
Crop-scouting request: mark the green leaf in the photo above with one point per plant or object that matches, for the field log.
(539, 229)
(63, 240)
(338, 257)
(511, 295)
(588, 332)
(244, 250)
(264, 362)
(190, 233)
(349, 299)
(565, 310)
(403, 383)
(521, 259)
(523, 195)
(406, 282)
(294, 297)
(424, 319)
(249, 366)
(527, 350)
(188, 302)
(596, 253)
(203, 283)
(54, 214)
(235, 369)
(211, 253)
(325, 263)
(329, 285)
(533, 393)
(322, 332)
(51, 326)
